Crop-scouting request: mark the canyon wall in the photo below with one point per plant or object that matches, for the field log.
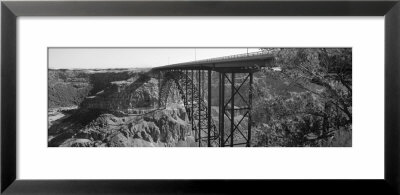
(122, 113)
(71, 87)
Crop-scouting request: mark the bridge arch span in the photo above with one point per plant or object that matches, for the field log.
(196, 105)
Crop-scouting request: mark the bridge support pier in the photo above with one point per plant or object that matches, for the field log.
(159, 88)
(249, 121)
(209, 109)
(199, 106)
(222, 108)
(235, 108)
(235, 104)
(232, 108)
(192, 101)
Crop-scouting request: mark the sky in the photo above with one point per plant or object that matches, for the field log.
(102, 58)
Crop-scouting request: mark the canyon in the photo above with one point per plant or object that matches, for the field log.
(121, 108)
(113, 109)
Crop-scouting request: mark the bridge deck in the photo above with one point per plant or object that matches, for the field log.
(240, 62)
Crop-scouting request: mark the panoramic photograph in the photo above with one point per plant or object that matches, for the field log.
(199, 97)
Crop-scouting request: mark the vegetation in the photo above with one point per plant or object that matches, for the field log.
(313, 107)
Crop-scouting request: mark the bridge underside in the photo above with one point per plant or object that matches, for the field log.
(230, 124)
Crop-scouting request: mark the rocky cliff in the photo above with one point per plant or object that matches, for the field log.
(71, 87)
(126, 96)
(124, 113)
(166, 127)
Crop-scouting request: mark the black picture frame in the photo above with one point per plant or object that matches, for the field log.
(11, 10)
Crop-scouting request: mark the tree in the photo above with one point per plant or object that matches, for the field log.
(322, 104)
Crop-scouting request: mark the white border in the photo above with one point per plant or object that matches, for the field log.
(365, 160)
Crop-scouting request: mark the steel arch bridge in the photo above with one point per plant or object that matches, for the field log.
(193, 80)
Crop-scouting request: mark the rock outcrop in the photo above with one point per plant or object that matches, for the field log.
(167, 127)
(127, 96)
(71, 87)
(125, 114)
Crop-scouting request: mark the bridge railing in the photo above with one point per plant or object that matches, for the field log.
(243, 55)
(236, 56)
(206, 62)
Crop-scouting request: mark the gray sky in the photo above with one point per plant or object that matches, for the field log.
(87, 58)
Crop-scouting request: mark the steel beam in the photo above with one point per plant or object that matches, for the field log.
(232, 106)
(186, 87)
(250, 108)
(192, 110)
(159, 88)
(209, 109)
(222, 108)
(198, 104)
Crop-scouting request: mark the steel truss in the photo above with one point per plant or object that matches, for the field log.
(235, 109)
(235, 104)
(190, 84)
